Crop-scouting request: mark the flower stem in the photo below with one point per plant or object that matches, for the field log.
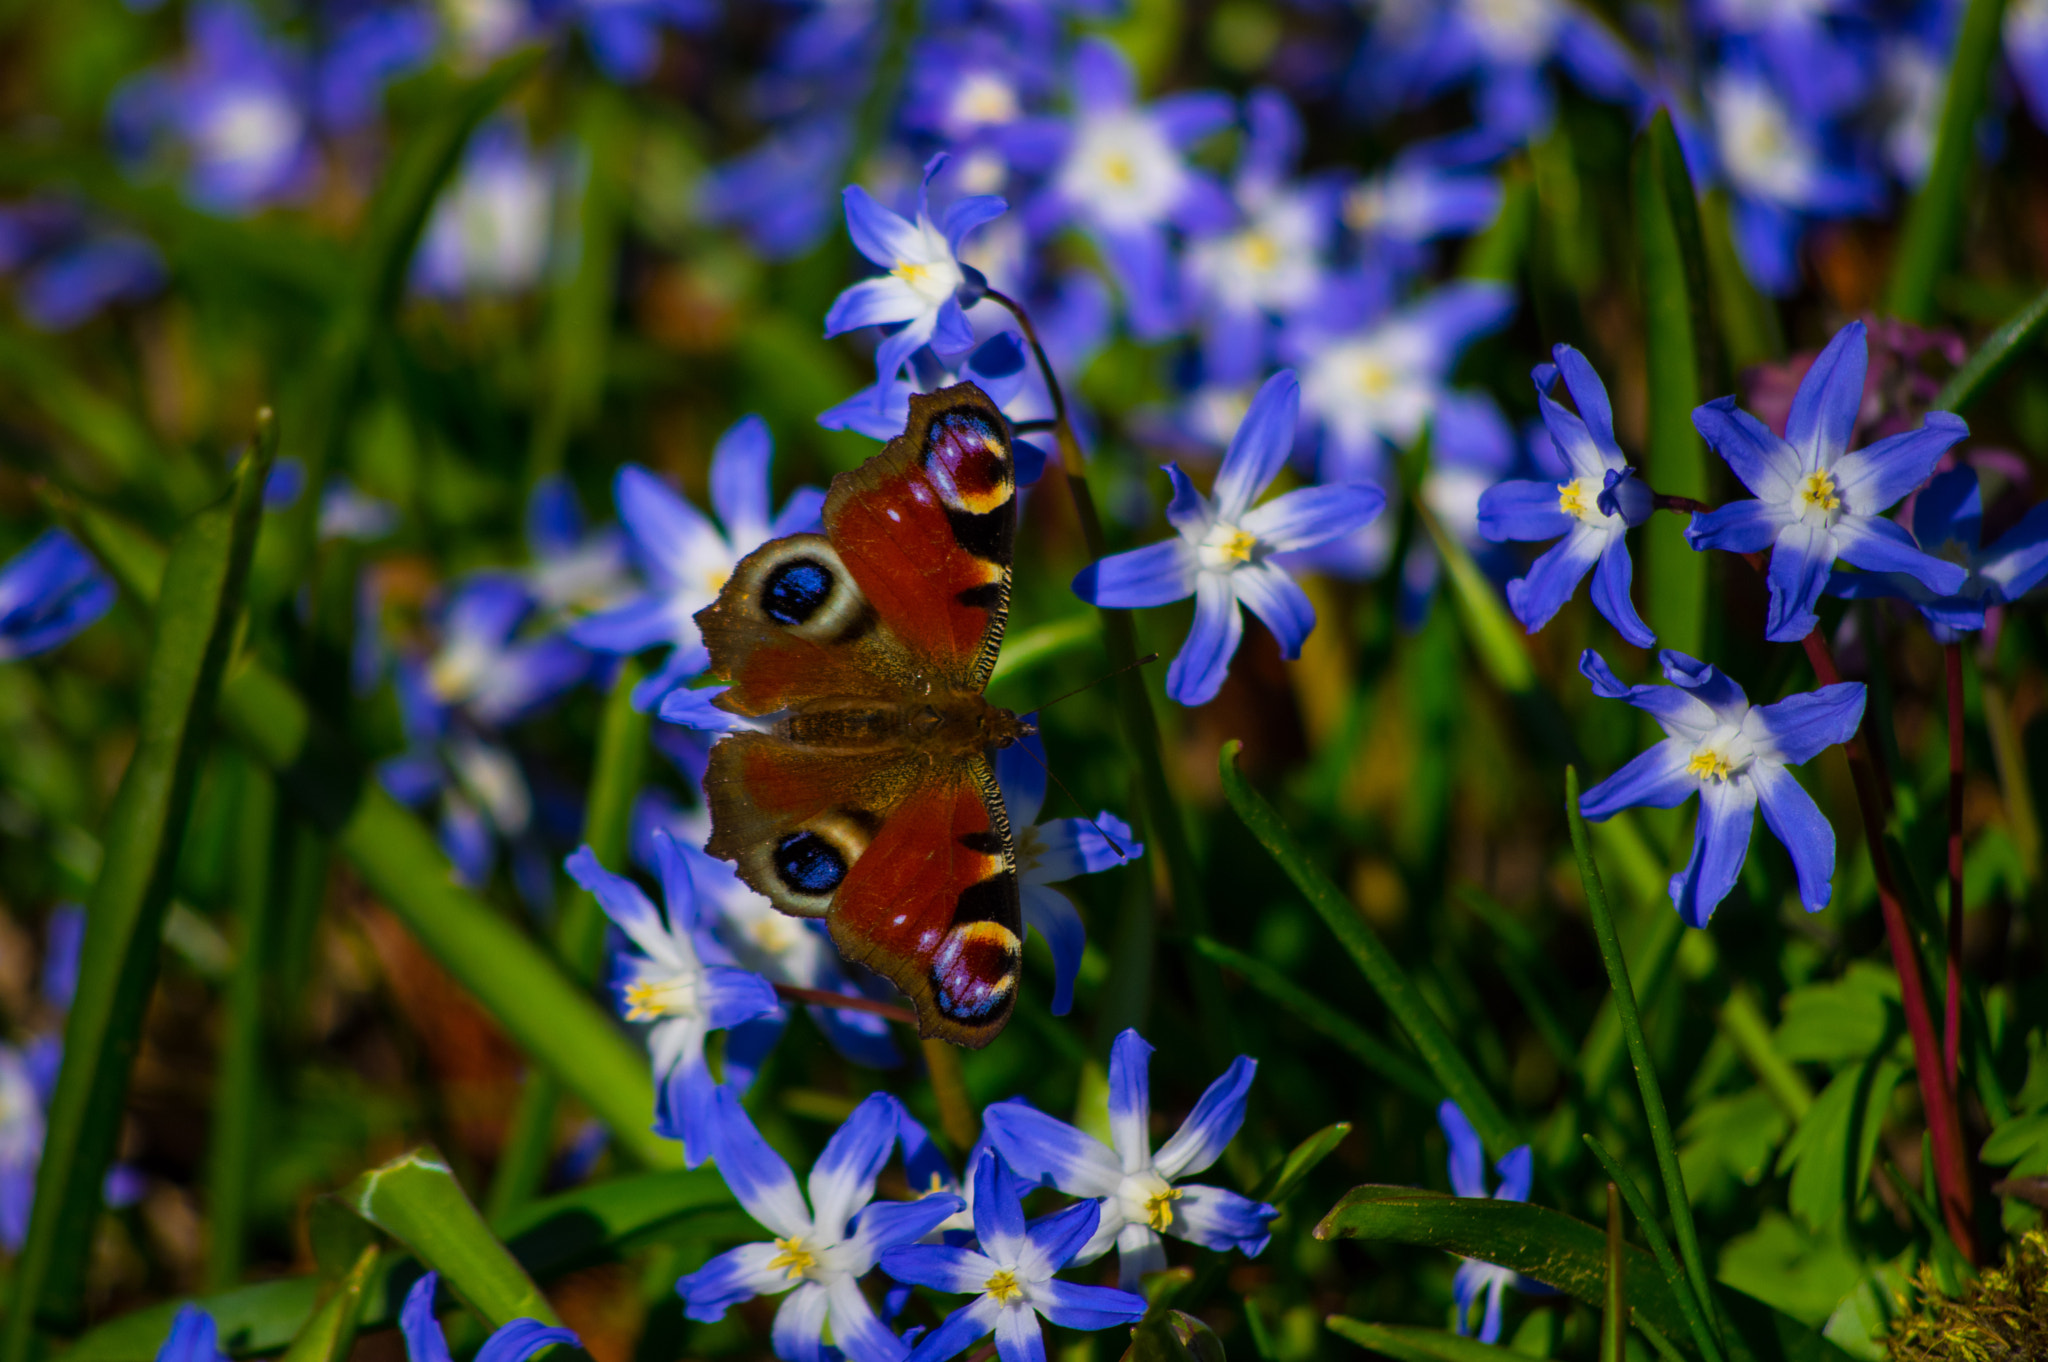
(846, 1002)
(1161, 815)
(1952, 1013)
(1944, 1123)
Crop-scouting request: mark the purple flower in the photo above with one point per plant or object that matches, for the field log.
(70, 266)
(1468, 1178)
(49, 593)
(1735, 756)
(997, 366)
(1223, 554)
(363, 55)
(424, 1341)
(1815, 500)
(193, 1338)
(1593, 509)
(1010, 1274)
(489, 231)
(624, 36)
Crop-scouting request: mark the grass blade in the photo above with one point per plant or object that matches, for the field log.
(231, 1148)
(418, 1202)
(1659, 1120)
(1999, 349)
(1614, 1308)
(331, 1333)
(194, 629)
(1407, 1343)
(1374, 960)
(1660, 1248)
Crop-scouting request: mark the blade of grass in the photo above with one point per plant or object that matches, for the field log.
(194, 630)
(1991, 359)
(607, 822)
(1614, 1310)
(331, 1333)
(418, 1202)
(1318, 1015)
(1439, 1052)
(1742, 1021)
(1639, 1051)
(1934, 220)
(1660, 1249)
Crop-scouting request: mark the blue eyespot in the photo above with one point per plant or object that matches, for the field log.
(809, 864)
(794, 590)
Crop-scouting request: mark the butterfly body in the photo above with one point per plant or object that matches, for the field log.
(866, 795)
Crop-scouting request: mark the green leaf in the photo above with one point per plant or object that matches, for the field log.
(1841, 1020)
(1999, 350)
(1439, 1052)
(1935, 218)
(331, 1332)
(1406, 1343)
(1173, 1336)
(417, 1201)
(1675, 330)
(2016, 1139)
(1279, 1184)
(1829, 1153)
(1567, 1254)
(1044, 643)
(194, 629)
(1495, 636)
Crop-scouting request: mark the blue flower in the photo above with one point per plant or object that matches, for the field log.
(363, 55)
(1821, 69)
(676, 978)
(1010, 1274)
(193, 1338)
(778, 192)
(1396, 213)
(2026, 53)
(486, 667)
(575, 572)
(1735, 756)
(1223, 553)
(49, 593)
(1051, 852)
(687, 558)
(997, 366)
(624, 36)
(820, 1251)
(925, 289)
(1594, 509)
(1141, 1201)
(21, 1144)
(1816, 501)
(1123, 175)
(70, 266)
(1468, 1178)
(489, 230)
(235, 111)
(1948, 518)
(424, 1341)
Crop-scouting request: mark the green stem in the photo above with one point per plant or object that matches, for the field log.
(1374, 960)
(1935, 219)
(1999, 349)
(607, 824)
(1614, 1310)
(1744, 1025)
(231, 1151)
(1660, 1248)
(1659, 1120)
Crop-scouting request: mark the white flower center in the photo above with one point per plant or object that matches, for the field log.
(774, 933)
(983, 99)
(932, 280)
(1147, 1199)
(254, 129)
(491, 777)
(1225, 548)
(1122, 171)
(1580, 499)
(459, 670)
(1724, 755)
(1005, 1287)
(1764, 153)
(653, 999)
(1514, 30)
(1818, 500)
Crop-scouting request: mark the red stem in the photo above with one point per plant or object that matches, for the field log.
(1952, 1014)
(1944, 1123)
(847, 1002)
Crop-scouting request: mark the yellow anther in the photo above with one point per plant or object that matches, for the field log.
(1708, 764)
(1571, 499)
(1373, 378)
(1118, 170)
(1818, 492)
(1238, 546)
(644, 1002)
(1159, 1207)
(794, 1259)
(911, 272)
(1003, 1286)
(1261, 252)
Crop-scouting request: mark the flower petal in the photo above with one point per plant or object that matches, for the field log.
(799, 1331)
(967, 214)
(1950, 507)
(1553, 578)
(623, 902)
(759, 1178)
(732, 996)
(1130, 1100)
(1824, 409)
(1800, 559)
(1800, 727)
(855, 1330)
(1019, 1336)
(1611, 593)
(1188, 511)
(843, 1179)
(1467, 1163)
(881, 301)
(998, 1207)
(1073, 1305)
(1154, 575)
(1656, 779)
(1873, 479)
(190, 1341)
(1139, 1251)
(967, 1325)
(1053, 916)
(1766, 464)
(1795, 820)
(1056, 1238)
(1263, 441)
(956, 1271)
(886, 1225)
(669, 534)
(521, 1339)
(2018, 561)
(1211, 1125)
(1046, 1149)
(1517, 1169)
(1522, 509)
(1589, 395)
(1720, 844)
(1278, 600)
(739, 481)
(1747, 526)
(1219, 1219)
(1308, 516)
(736, 1275)
(886, 238)
(1198, 670)
(1878, 545)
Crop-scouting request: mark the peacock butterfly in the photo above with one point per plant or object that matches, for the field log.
(868, 796)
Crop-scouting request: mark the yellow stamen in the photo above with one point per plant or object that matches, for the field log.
(1708, 764)
(1159, 1208)
(795, 1259)
(1260, 251)
(1818, 491)
(1571, 499)
(644, 1002)
(1003, 1286)
(1373, 378)
(911, 273)
(1239, 546)
(1118, 170)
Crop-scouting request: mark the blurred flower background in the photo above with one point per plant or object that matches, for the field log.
(564, 306)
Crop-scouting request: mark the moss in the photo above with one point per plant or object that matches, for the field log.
(2001, 1317)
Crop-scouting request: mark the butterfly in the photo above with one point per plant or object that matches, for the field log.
(867, 796)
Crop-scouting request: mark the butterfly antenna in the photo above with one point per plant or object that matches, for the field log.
(1106, 676)
(1121, 854)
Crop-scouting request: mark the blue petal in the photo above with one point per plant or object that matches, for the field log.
(1046, 1149)
(1877, 545)
(1281, 605)
(798, 1334)
(1671, 706)
(998, 1207)
(1824, 409)
(1766, 464)
(1053, 916)
(964, 1326)
(732, 996)
(1197, 672)
(967, 214)
(1056, 1238)
(1874, 478)
(1260, 448)
(1219, 1219)
(759, 1178)
(622, 900)
(1073, 1305)
(521, 1339)
(1800, 559)
(696, 707)
(1800, 727)
(1611, 595)
(1308, 516)
(955, 1271)
(1517, 1170)
(1142, 259)
(1188, 117)
(843, 1179)
(2018, 561)
(1102, 79)
(739, 479)
(63, 936)
(1468, 1155)
(855, 1330)
(877, 233)
(1154, 575)
(884, 1225)
(1747, 526)
(1188, 511)
(1655, 779)
(1553, 578)
(1211, 1125)
(1795, 820)
(802, 513)
(1522, 510)
(1021, 775)
(685, 1107)
(1951, 507)
(639, 623)
(668, 533)
(1130, 1098)
(424, 1341)
(952, 332)
(1720, 843)
(1706, 683)
(1019, 1338)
